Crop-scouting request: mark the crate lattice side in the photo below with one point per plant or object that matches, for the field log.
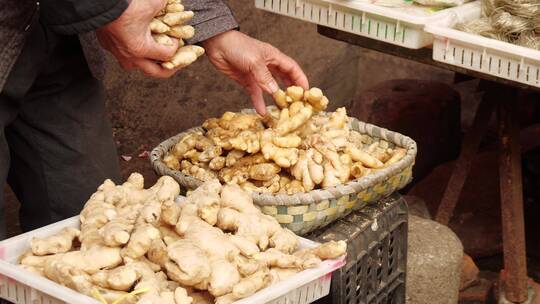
(348, 20)
(376, 255)
(486, 61)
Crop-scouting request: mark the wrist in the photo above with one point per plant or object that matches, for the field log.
(208, 43)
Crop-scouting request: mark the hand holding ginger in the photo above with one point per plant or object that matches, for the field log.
(129, 39)
(149, 32)
(254, 66)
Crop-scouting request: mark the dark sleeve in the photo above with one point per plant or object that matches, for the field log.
(78, 16)
(212, 17)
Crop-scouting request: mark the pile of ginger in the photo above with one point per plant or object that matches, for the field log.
(169, 26)
(296, 148)
(138, 245)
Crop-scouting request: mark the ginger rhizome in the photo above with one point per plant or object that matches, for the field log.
(170, 25)
(297, 147)
(138, 245)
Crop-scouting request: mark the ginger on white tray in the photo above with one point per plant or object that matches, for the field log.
(169, 25)
(138, 245)
(296, 148)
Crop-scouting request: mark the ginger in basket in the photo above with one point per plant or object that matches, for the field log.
(296, 148)
(137, 245)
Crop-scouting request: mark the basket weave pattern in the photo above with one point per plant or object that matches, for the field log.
(305, 212)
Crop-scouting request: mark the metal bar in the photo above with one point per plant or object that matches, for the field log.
(513, 227)
(463, 165)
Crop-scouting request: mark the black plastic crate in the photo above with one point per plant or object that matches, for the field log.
(376, 255)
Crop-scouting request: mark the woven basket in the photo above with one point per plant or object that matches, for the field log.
(305, 212)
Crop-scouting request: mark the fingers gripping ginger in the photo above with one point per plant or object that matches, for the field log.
(169, 25)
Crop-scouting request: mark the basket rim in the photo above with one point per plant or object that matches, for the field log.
(316, 195)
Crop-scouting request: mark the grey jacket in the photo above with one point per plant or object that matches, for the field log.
(82, 17)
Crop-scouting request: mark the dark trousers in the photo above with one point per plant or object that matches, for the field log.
(56, 144)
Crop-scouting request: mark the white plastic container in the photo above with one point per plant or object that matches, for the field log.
(22, 287)
(401, 26)
(489, 56)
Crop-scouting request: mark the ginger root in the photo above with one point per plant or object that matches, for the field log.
(330, 250)
(59, 243)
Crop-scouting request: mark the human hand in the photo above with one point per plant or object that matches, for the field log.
(253, 64)
(129, 39)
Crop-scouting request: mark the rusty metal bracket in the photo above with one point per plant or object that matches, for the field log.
(463, 165)
(513, 226)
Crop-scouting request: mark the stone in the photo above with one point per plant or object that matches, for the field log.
(433, 263)
(401, 104)
(469, 273)
(417, 206)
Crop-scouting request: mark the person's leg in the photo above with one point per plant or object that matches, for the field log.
(18, 83)
(61, 143)
(7, 112)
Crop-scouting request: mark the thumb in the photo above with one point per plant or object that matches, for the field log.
(157, 5)
(264, 78)
(159, 52)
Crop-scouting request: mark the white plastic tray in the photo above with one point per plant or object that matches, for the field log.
(489, 56)
(401, 26)
(22, 287)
